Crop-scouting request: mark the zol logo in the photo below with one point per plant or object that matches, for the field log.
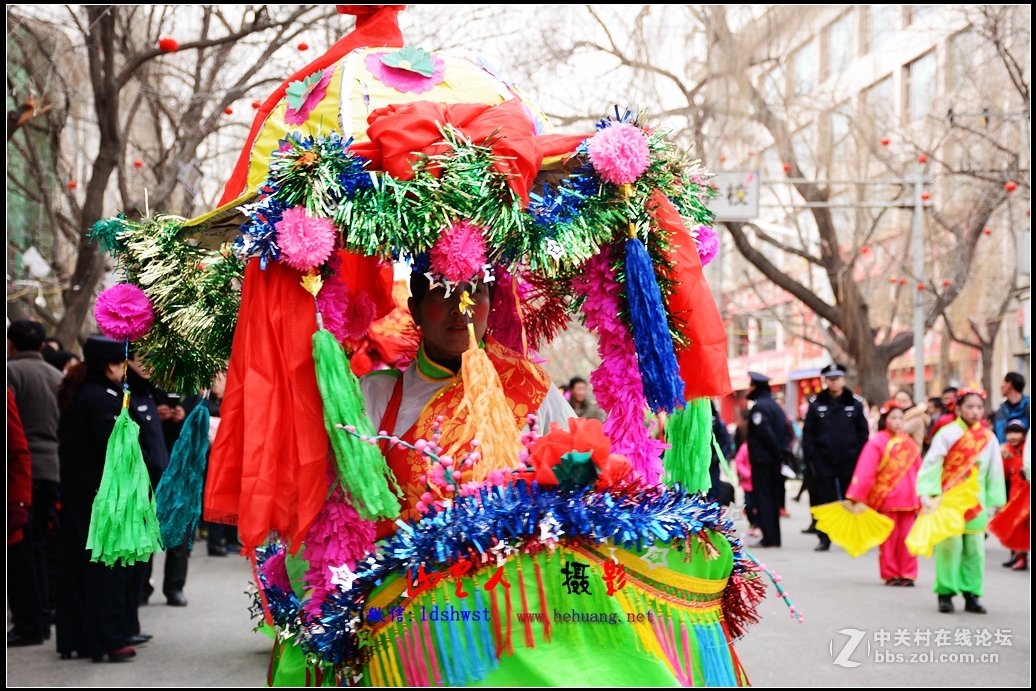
(842, 660)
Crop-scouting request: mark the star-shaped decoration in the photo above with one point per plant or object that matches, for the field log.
(342, 576)
(655, 556)
(487, 274)
(312, 283)
(501, 550)
(450, 287)
(550, 530)
(433, 282)
(554, 249)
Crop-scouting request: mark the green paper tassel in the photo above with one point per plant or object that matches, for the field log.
(179, 492)
(361, 466)
(123, 525)
(689, 433)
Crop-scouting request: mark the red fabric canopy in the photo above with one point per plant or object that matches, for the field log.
(401, 132)
(703, 364)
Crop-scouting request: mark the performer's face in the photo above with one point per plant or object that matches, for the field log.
(971, 409)
(894, 421)
(444, 328)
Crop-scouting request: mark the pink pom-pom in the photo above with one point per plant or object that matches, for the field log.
(460, 253)
(427, 497)
(422, 506)
(124, 312)
(346, 315)
(420, 444)
(305, 242)
(708, 244)
(450, 488)
(777, 578)
(456, 474)
(446, 460)
(619, 153)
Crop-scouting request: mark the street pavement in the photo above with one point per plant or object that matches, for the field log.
(210, 642)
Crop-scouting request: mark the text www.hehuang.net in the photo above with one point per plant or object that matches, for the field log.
(574, 617)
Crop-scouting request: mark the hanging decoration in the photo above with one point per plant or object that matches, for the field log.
(123, 312)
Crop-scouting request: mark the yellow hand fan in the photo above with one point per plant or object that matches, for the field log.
(943, 518)
(852, 526)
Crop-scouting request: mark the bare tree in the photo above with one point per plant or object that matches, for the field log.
(717, 93)
(154, 107)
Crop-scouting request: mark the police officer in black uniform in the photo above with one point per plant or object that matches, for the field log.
(769, 441)
(833, 435)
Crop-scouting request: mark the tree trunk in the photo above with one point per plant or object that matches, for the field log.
(987, 371)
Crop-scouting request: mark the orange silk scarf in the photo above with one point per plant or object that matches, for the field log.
(962, 458)
(900, 454)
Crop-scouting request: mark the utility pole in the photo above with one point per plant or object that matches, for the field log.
(917, 243)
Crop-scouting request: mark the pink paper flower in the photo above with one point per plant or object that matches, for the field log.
(460, 253)
(346, 315)
(403, 80)
(338, 536)
(617, 383)
(708, 244)
(619, 153)
(275, 572)
(305, 242)
(303, 96)
(124, 312)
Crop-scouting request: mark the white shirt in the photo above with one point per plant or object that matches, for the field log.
(418, 390)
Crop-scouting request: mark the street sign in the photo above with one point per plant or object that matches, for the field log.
(738, 198)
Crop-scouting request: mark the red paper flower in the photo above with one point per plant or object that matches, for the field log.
(582, 436)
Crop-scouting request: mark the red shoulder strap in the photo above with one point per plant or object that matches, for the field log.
(388, 420)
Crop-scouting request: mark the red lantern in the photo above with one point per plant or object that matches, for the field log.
(902, 281)
(787, 167)
(138, 163)
(303, 47)
(893, 280)
(922, 159)
(168, 44)
(885, 141)
(987, 231)
(920, 286)
(864, 249)
(1010, 186)
(946, 283)
(256, 105)
(228, 110)
(72, 184)
(722, 159)
(751, 153)
(925, 196)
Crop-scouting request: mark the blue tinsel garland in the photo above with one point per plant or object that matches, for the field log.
(630, 516)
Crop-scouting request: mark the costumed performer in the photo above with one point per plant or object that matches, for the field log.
(958, 451)
(1011, 523)
(407, 404)
(885, 480)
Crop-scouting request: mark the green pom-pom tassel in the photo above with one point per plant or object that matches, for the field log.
(179, 492)
(361, 467)
(689, 433)
(123, 525)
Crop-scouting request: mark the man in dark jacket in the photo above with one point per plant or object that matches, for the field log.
(768, 443)
(35, 387)
(833, 435)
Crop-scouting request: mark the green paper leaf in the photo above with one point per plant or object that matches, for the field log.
(576, 468)
(411, 59)
(298, 92)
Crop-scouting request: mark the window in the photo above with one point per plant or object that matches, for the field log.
(838, 42)
(767, 334)
(916, 13)
(771, 85)
(837, 124)
(805, 65)
(738, 336)
(877, 106)
(802, 146)
(877, 22)
(919, 88)
(962, 48)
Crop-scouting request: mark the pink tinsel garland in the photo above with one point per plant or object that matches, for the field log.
(708, 244)
(617, 383)
(505, 324)
(338, 536)
(124, 312)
